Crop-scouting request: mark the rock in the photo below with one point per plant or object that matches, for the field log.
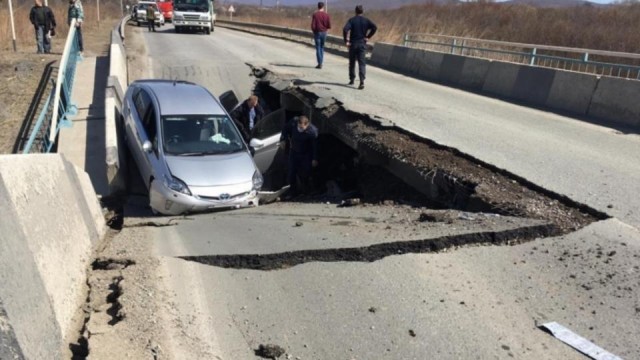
(299, 223)
(412, 333)
(269, 351)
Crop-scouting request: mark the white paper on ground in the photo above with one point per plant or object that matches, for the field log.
(578, 342)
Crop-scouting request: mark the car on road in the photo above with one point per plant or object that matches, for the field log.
(139, 14)
(189, 152)
(166, 8)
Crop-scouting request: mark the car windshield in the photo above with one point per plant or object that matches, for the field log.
(194, 135)
(144, 6)
(200, 5)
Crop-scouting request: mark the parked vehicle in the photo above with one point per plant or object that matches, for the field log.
(140, 13)
(188, 150)
(194, 15)
(166, 9)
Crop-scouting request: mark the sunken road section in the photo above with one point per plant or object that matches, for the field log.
(437, 176)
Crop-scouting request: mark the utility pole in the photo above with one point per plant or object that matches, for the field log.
(13, 27)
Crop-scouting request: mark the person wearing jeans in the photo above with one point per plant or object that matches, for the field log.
(43, 22)
(357, 33)
(320, 24)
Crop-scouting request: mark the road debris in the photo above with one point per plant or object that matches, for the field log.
(269, 351)
(577, 342)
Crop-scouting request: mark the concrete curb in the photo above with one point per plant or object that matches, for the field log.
(51, 222)
(608, 99)
(616, 100)
(114, 96)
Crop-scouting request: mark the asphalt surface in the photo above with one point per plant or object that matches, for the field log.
(475, 302)
(591, 164)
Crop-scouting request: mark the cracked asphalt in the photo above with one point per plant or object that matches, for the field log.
(462, 302)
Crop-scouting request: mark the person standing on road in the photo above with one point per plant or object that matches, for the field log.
(357, 33)
(75, 12)
(43, 22)
(302, 138)
(151, 18)
(320, 24)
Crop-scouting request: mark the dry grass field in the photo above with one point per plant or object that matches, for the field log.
(21, 71)
(613, 28)
(25, 37)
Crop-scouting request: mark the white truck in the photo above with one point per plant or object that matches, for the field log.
(194, 15)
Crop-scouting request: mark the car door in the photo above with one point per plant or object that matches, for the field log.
(269, 158)
(143, 128)
(134, 112)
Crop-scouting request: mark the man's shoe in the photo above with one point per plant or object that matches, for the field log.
(351, 82)
(361, 86)
(319, 66)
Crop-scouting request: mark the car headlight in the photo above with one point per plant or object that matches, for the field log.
(257, 180)
(204, 17)
(177, 185)
(177, 16)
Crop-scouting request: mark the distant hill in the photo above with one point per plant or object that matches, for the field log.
(553, 3)
(391, 4)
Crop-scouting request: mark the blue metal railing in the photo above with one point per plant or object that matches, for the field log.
(59, 107)
(618, 64)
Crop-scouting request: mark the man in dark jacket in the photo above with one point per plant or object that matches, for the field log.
(302, 138)
(320, 24)
(247, 115)
(356, 33)
(43, 22)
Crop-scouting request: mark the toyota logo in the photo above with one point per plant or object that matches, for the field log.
(225, 196)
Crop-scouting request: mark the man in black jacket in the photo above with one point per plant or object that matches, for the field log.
(302, 138)
(247, 115)
(43, 21)
(356, 33)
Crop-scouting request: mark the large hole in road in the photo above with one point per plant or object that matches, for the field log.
(363, 157)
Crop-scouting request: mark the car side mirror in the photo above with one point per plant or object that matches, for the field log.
(256, 144)
(146, 146)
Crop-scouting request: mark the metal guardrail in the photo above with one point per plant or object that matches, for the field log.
(609, 63)
(58, 106)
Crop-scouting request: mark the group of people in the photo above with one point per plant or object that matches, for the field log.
(44, 24)
(356, 33)
(298, 138)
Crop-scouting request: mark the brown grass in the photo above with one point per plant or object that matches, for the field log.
(25, 37)
(613, 28)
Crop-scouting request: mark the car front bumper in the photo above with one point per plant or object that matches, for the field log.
(192, 23)
(169, 202)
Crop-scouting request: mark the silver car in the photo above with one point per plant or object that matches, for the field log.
(189, 152)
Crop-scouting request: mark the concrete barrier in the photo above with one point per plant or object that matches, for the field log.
(50, 220)
(533, 84)
(501, 78)
(430, 63)
(398, 59)
(572, 92)
(114, 95)
(451, 69)
(474, 73)
(381, 55)
(616, 100)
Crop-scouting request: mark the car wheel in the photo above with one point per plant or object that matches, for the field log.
(177, 30)
(208, 31)
(139, 24)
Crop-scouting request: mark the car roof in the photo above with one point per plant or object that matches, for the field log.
(183, 98)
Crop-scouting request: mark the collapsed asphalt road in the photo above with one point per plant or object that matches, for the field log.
(320, 281)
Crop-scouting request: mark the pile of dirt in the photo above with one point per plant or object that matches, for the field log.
(506, 193)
